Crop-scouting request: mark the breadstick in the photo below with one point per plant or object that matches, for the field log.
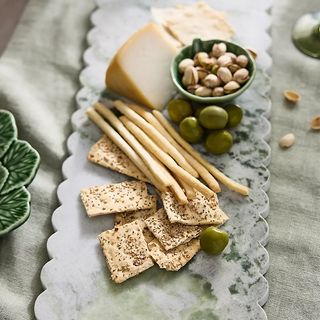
(122, 144)
(165, 158)
(132, 141)
(155, 136)
(218, 174)
(203, 172)
(174, 186)
(190, 192)
(176, 189)
(159, 170)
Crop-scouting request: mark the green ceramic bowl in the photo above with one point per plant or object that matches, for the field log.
(18, 165)
(188, 52)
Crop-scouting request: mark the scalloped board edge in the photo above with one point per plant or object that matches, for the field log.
(75, 117)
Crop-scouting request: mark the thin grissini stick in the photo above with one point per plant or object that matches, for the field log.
(175, 188)
(122, 145)
(155, 136)
(218, 174)
(165, 158)
(203, 172)
(190, 192)
(173, 185)
(132, 141)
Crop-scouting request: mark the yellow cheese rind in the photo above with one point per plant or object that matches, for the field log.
(140, 70)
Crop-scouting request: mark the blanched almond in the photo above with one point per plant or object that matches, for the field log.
(287, 140)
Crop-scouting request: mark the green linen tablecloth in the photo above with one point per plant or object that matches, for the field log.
(38, 79)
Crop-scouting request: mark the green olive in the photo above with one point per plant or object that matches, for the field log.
(213, 240)
(190, 130)
(235, 114)
(213, 117)
(179, 109)
(198, 110)
(219, 142)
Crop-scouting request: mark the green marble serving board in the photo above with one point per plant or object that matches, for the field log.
(227, 287)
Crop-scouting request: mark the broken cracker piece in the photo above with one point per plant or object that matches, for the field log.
(126, 251)
(120, 197)
(170, 235)
(105, 153)
(176, 258)
(139, 215)
(198, 211)
(127, 217)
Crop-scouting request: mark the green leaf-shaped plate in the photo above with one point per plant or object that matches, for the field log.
(18, 165)
(8, 131)
(22, 162)
(14, 209)
(4, 173)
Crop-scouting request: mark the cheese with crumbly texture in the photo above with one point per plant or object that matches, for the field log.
(126, 251)
(140, 70)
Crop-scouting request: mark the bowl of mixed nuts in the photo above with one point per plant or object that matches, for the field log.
(213, 71)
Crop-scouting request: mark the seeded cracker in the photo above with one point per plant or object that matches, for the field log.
(176, 258)
(198, 211)
(198, 20)
(140, 215)
(126, 251)
(120, 197)
(170, 234)
(105, 153)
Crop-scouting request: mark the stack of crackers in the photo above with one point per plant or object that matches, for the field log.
(144, 232)
(198, 20)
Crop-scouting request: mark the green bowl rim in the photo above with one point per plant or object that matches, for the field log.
(219, 99)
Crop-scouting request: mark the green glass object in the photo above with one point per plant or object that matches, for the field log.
(179, 109)
(235, 115)
(213, 117)
(218, 142)
(213, 240)
(18, 165)
(190, 130)
(306, 34)
(8, 131)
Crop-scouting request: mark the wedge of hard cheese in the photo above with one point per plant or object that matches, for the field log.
(140, 70)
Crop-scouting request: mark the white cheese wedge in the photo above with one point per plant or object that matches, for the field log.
(140, 70)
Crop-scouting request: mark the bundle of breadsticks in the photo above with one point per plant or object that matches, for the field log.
(159, 152)
(143, 144)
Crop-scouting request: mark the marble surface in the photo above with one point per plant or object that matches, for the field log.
(226, 287)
